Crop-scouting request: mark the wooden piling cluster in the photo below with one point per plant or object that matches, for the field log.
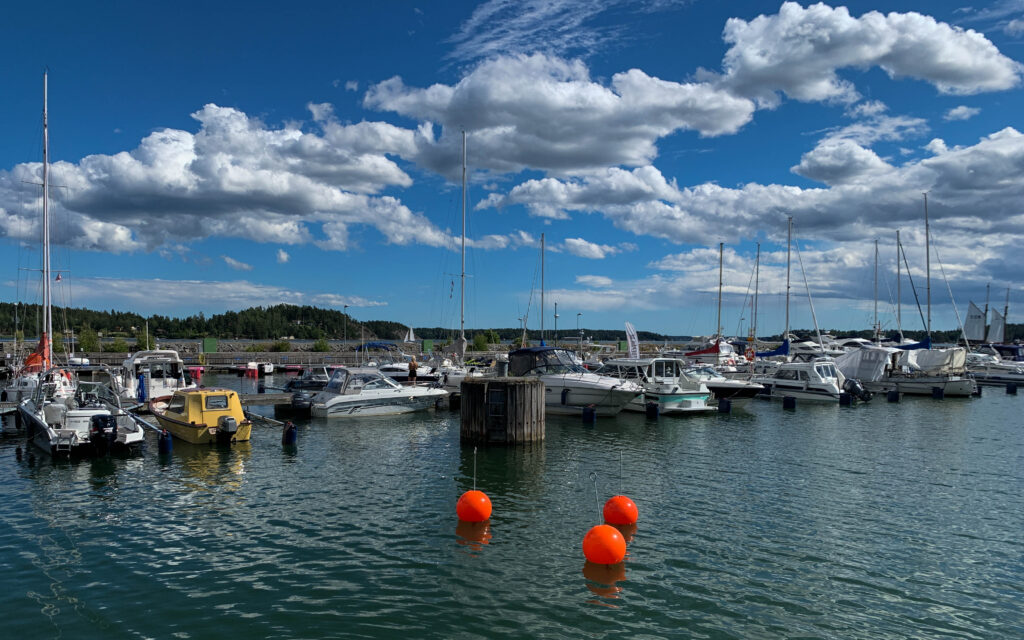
(503, 411)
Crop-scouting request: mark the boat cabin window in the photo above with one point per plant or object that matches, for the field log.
(802, 375)
(665, 368)
(826, 371)
(543, 362)
(177, 404)
(337, 381)
(214, 403)
(786, 374)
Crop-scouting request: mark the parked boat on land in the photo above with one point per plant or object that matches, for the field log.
(203, 416)
(568, 387)
(664, 382)
(368, 392)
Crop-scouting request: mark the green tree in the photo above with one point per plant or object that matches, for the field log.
(117, 346)
(322, 345)
(142, 341)
(88, 341)
(280, 346)
(58, 342)
(480, 342)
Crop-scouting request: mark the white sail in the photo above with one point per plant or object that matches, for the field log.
(996, 329)
(974, 327)
(409, 335)
(632, 341)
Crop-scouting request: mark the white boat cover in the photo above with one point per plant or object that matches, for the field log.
(935, 361)
(866, 364)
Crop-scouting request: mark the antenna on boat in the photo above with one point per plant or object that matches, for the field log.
(718, 324)
(899, 290)
(789, 244)
(876, 327)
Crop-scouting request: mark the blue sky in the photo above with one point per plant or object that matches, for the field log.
(216, 156)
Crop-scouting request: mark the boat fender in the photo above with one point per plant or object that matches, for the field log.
(565, 396)
(290, 434)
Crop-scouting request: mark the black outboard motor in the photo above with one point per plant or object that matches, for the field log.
(227, 427)
(855, 388)
(102, 433)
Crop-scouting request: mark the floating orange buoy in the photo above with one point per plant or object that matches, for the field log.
(473, 506)
(620, 510)
(603, 544)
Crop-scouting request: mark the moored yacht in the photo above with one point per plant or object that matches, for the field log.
(568, 387)
(88, 422)
(664, 381)
(368, 392)
(153, 373)
(816, 379)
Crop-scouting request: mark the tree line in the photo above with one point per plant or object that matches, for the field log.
(286, 321)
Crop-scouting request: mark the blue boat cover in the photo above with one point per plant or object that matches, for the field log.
(924, 344)
(782, 350)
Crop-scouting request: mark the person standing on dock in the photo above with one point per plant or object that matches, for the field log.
(412, 370)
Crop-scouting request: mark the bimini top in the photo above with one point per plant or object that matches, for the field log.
(542, 360)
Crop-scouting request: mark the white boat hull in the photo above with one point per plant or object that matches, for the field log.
(382, 405)
(956, 386)
(568, 399)
(672, 403)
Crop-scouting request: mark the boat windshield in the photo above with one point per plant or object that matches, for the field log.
(94, 393)
(702, 372)
(369, 381)
(554, 361)
(337, 382)
(827, 371)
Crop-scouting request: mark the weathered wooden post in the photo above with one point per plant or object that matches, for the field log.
(502, 410)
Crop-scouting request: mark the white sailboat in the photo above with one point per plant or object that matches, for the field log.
(61, 417)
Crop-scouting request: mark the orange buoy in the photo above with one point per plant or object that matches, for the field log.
(620, 510)
(603, 544)
(473, 506)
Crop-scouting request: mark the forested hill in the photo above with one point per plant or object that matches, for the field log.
(303, 323)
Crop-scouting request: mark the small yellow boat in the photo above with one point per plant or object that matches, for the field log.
(201, 416)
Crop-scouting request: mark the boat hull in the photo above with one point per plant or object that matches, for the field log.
(203, 434)
(73, 442)
(355, 406)
(776, 390)
(672, 403)
(955, 387)
(571, 400)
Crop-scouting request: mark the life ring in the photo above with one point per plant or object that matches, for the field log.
(749, 353)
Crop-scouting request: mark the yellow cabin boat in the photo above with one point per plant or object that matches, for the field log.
(202, 416)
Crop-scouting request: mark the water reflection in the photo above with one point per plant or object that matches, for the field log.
(602, 578)
(473, 535)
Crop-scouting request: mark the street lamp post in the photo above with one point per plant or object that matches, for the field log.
(580, 331)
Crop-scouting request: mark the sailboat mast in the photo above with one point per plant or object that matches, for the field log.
(757, 284)
(542, 288)
(899, 292)
(1006, 307)
(789, 242)
(876, 292)
(718, 323)
(47, 300)
(987, 290)
(927, 267)
(462, 275)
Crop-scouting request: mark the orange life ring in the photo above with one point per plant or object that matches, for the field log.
(749, 353)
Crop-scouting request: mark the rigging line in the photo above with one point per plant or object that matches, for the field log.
(746, 297)
(942, 270)
(917, 299)
(809, 300)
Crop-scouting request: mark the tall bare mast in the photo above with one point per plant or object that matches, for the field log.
(542, 287)
(789, 242)
(899, 292)
(877, 340)
(927, 266)
(47, 296)
(462, 275)
(718, 323)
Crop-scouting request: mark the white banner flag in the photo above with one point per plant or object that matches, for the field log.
(632, 341)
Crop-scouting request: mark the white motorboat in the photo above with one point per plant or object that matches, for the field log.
(723, 388)
(568, 386)
(816, 379)
(992, 370)
(90, 422)
(664, 381)
(153, 373)
(368, 392)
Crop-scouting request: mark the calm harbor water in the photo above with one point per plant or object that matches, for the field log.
(874, 521)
